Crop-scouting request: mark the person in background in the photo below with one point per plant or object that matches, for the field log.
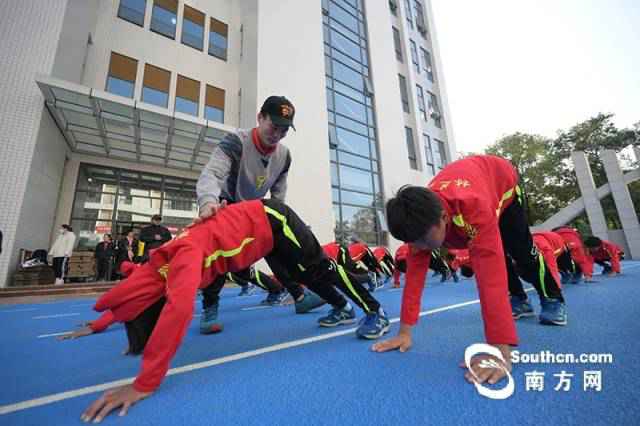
(104, 258)
(61, 251)
(153, 236)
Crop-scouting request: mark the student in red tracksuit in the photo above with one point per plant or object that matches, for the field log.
(476, 203)
(356, 287)
(552, 247)
(106, 319)
(606, 254)
(156, 302)
(385, 260)
(582, 263)
(400, 261)
(463, 262)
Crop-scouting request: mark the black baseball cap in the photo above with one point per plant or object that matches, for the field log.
(280, 109)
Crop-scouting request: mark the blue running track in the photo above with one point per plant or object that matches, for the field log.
(272, 367)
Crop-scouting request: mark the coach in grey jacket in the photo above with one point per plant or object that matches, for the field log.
(246, 165)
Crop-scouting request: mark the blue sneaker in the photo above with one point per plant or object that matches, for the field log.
(373, 326)
(209, 321)
(338, 317)
(274, 299)
(521, 308)
(309, 302)
(247, 290)
(553, 312)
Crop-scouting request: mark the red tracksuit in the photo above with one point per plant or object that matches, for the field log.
(232, 240)
(401, 256)
(550, 245)
(332, 250)
(474, 191)
(579, 254)
(461, 258)
(379, 253)
(608, 251)
(103, 322)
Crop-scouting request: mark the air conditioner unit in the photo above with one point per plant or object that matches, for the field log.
(434, 114)
(429, 70)
(325, 12)
(393, 5)
(422, 30)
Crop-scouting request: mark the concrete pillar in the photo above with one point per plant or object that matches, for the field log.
(624, 203)
(588, 189)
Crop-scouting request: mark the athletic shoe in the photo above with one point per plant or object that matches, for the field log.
(274, 299)
(565, 277)
(309, 302)
(521, 308)
(373, 326)
(209, 321)
(338, 317)
(455, 277)
(247, 290)
(553, 312)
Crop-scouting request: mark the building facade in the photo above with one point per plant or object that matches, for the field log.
(112, 107)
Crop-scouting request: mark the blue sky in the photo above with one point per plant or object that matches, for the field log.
(537, 66)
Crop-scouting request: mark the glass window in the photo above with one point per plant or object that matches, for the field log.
(346, 19)
(352, 142)
(421, 105)
(411, 148)
(351, 125)
(397, 43)
(350, 108)
(426, 63)
(187, 95)
(404, 95)
(353, 160)
(156, 83)
(439, 154)
(414, 56)
(214, 104)
(121, 79)
(164, 17)
(434, 110)
(345, 45)
(357, 198)
(408, 11)
(193, 28)
(132, 11)
(429, 154)
(347, 75)
(420, 22)
(355, 179)
(218, 39)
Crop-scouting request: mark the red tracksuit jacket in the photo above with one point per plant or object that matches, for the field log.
(379, 253)
(357, 251)
(232, 240)
(474, 191)
(332, 250)
(550, 245)
(608, 251)
(401, 254)
(461, 258)
(579, 254)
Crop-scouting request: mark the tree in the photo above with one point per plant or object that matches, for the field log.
(547, 171)
(528, 153)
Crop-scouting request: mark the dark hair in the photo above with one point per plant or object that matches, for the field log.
(466, 271)
(592, 242)
(68, 228)
(412, 212)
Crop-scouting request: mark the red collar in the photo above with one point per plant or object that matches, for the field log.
(260, 146)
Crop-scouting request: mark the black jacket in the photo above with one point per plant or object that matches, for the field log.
(147, 236)
(104, 250)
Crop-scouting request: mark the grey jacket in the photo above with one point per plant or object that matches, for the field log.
(237, 171)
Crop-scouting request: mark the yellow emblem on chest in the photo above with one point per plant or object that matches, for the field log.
(260, 180)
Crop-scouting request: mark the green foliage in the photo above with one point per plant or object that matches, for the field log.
(546, 169)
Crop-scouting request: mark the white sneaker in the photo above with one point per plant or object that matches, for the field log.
(59, 281)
